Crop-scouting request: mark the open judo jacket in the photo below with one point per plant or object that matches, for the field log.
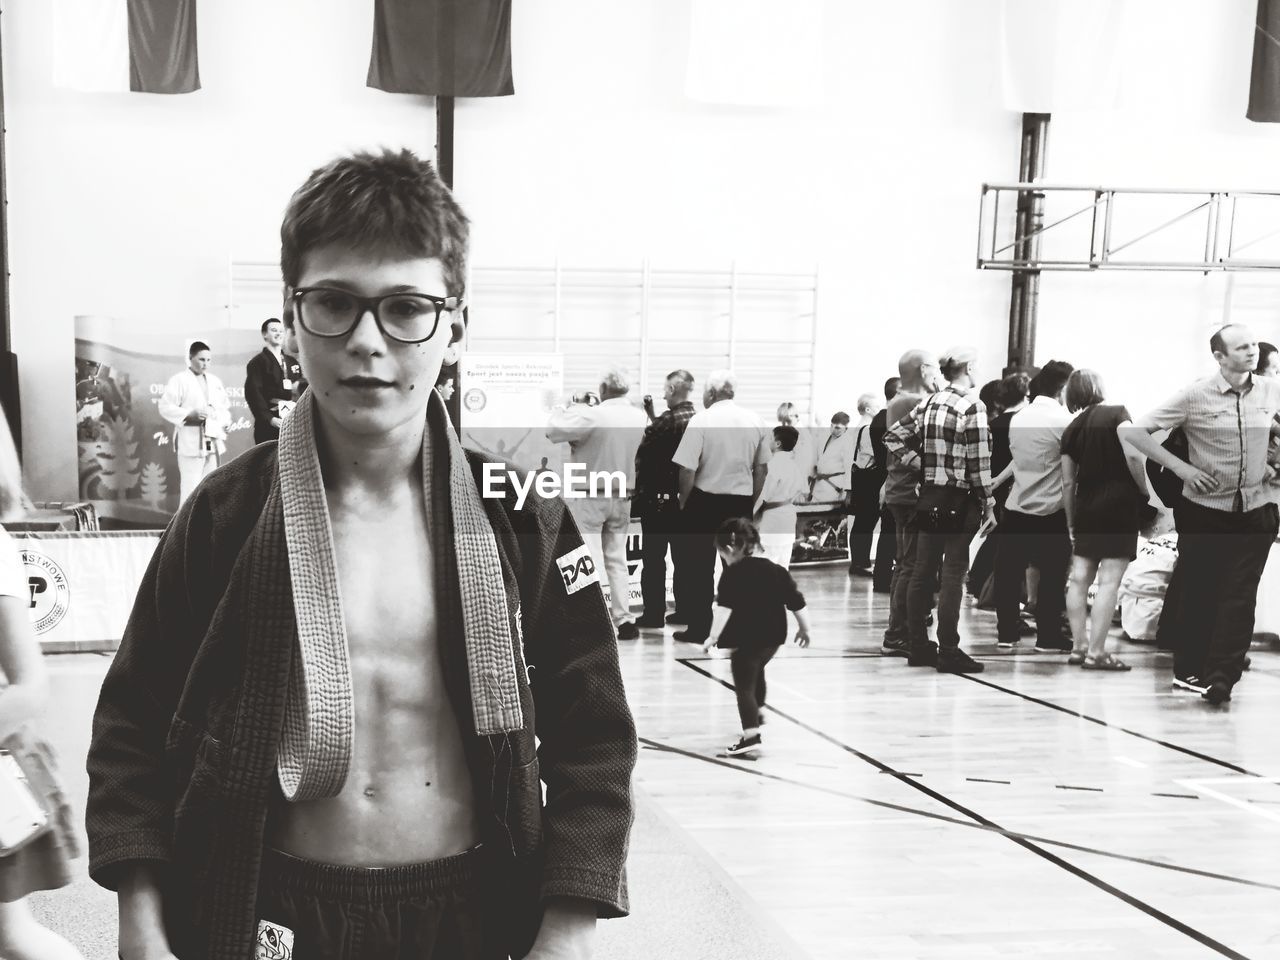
(182, 764)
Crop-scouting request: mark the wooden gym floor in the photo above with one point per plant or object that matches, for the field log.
(1033, 810)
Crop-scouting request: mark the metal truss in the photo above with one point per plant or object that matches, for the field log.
(1098, 228)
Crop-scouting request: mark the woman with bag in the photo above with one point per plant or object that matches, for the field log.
(37, 839)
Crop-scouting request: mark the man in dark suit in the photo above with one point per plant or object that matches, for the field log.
(656, 500)
(270, 377)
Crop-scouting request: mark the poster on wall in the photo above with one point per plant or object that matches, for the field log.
(506, 403)
(126, 453)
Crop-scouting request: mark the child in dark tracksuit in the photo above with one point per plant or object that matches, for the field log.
(751, 619)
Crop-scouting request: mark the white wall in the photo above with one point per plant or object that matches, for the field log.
(1179, 123)
(132, 205)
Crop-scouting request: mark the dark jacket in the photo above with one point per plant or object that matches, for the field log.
(879, 427)
(182, 761)
(264, 385)
(657, 478)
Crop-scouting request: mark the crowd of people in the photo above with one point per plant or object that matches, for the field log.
(1051, 475)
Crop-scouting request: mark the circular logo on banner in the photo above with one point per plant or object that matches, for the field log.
(474, 400)
(50, 593)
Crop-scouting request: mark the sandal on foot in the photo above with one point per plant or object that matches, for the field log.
(1104, 662)
(1076, 659)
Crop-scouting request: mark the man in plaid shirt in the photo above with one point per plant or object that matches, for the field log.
(946, 438)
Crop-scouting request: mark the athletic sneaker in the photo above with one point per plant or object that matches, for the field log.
(957, 661)
(1190, 682)
(628, 631)
(1218, 692)
(1007, 644)
(1057, 646)
(744, 745)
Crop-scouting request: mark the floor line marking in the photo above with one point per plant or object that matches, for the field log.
(1153, 912)
(1206, 787)
(1111, 726)
(753, 771)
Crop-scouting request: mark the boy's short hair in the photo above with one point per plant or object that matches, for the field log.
(388, 202)
(787, 437)
(266, 323)
(196, 347)
(840, 417)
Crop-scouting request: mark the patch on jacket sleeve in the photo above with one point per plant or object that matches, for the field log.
(578, 570)
(274, 942)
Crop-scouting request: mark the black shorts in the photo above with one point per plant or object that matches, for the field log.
(441, 909)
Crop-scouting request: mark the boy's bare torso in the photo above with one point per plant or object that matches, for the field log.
(408, 797)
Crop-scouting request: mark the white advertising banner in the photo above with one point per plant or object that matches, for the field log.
(83, 585)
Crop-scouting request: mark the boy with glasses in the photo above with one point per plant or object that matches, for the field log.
(323, 705)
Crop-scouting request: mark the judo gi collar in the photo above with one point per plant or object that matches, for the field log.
(319, 723)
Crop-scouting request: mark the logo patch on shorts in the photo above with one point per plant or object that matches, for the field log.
(578, 570)
(274, 942)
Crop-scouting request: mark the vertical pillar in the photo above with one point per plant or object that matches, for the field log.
(8, 362)
(444, 166)
(1024, 296)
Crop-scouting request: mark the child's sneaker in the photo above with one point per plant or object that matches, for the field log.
(745, 745)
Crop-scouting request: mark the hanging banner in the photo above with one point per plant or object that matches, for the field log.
(1264, 80)
(442, 48)
(125, 447)
(105, 46)
(1061, 54)
(83, 585)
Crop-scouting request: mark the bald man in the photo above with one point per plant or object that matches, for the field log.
(1227, 520)
(723, 457)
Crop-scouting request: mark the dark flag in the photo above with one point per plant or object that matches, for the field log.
(162, 46)
(1264, 84)
(442, 48)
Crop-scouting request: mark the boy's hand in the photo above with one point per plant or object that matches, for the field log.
(802, 637)
(709, 644)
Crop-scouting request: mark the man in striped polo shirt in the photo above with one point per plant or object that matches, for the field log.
(1227, 520)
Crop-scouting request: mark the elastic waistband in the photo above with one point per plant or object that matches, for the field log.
(282, 871)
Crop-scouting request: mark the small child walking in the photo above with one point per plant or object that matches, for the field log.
(751, 620)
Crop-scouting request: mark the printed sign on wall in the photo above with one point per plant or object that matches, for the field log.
(506, 403)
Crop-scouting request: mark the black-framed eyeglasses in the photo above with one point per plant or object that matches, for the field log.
(403, 317)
